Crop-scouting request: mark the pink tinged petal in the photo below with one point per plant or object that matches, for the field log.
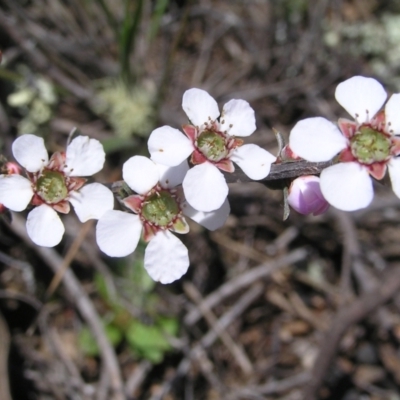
(347, 186)
(253, 160)
(305, 196)
(205, 187)
(172, 176)
(316, 139)
(140, 173)
(238, 118)
(169, 146)
(84, 157)
(210, 220)
(44, 226)
(166, 258)
(347, 127)
(118, 233)
(361, 97)
(15, 192)
(394, 173)
(92, 201)
(392, 114)
(199, 106)
(30, 152)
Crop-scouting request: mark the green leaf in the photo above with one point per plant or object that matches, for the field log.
(147, 340)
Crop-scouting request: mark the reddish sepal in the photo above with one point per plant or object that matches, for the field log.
(377, 170)
(225, 165)
(190, 131)
(347, 127)
(133, 202)
(197, 158)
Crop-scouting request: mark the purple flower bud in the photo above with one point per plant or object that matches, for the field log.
(305, 196)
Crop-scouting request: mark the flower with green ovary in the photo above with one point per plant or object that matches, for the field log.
(366, 147)
(369, 146)
(211, 141)
(52, 184)
(159, 208)
(212, 146)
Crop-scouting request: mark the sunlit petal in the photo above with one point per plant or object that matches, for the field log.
(205, 187)
(238, 118)
(140, 173)
(92, 201)
(199, 106)
(30, 152)
(118, 233)
(44, 226)
(166, 258)
(347, 186)
(15, 192)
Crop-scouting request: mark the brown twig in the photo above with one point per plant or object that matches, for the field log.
(346, 317)
(243, 280)
(4, 350)
(83, 303)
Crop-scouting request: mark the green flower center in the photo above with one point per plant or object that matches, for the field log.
(212, 145)
(370, 146)
(160, 208)
(51, 187)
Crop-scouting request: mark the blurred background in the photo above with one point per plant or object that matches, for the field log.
(301, 309)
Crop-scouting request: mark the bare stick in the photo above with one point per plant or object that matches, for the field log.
(82, 302)
(4, 350)
(243, 280)
(346, 317)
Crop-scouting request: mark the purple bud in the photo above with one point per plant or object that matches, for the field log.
(305, 196)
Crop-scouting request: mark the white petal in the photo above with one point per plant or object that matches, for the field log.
(172, 176)
(15, 192)
(166, 258)
(210, 220)
(118, 233)
(361, 97)
(85, 156)
(30, 152)
(238, 118)
(199, 106)
(394, 173)
(169, 146)
(253, 160)
(392, 115)
(44, 226)
(205, 187)
(140, 173)
(347, 186)
(316, 139)
(92, 201)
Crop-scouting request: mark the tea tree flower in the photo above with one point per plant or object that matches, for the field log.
(305, 196)
(52, 184)
(158, 209)
(367, 146)
(211, 141)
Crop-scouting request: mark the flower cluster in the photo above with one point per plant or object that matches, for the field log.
(165, 189)
(365, 147)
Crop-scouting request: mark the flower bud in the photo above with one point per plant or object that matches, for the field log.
(305, 196)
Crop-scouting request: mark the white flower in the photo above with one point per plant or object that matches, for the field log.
(212, 145)
(158, 209)
(367, 146)
(52, 184)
